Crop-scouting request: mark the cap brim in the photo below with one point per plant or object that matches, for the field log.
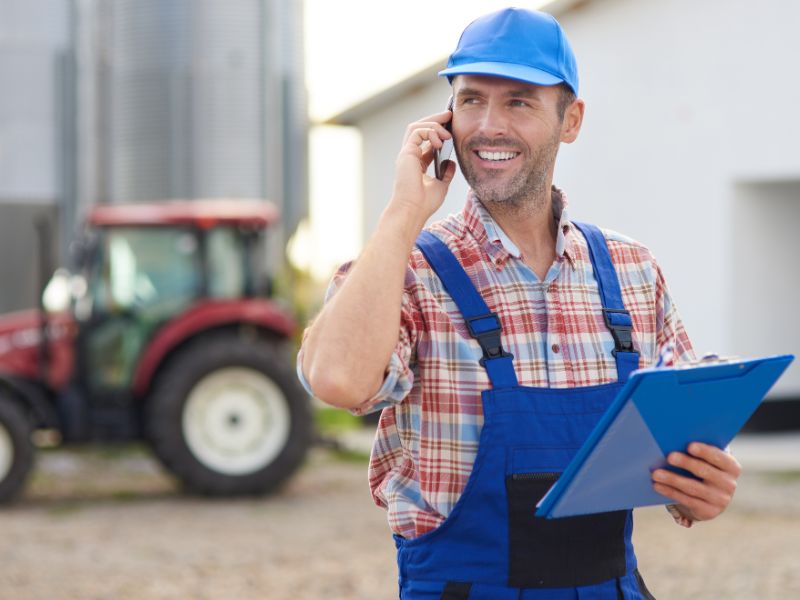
(506, 70)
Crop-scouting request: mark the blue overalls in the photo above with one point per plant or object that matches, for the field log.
(491, 546)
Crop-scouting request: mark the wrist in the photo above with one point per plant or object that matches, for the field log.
(400, 223)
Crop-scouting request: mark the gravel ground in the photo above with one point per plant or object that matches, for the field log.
(111, 525)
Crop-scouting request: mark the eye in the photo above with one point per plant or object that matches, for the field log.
(519, 103)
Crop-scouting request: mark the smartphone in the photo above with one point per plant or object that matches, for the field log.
(443, 154)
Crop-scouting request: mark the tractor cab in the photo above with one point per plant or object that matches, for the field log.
(165, 332)
(143, 269)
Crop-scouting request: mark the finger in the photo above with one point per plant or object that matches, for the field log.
(426, 155)
(417, 138)
(449, 167)
(421, 126)
(704, 470)
(710, 493)
(449, 171)
(723, 460)
(699, 508)
(439, 117)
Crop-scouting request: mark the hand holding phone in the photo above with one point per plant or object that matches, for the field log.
(443, 154)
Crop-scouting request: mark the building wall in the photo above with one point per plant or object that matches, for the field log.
(689, 145)
(764, 282)
(34, 38)
(21, 263)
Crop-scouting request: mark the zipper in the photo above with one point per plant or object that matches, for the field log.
(538, 476)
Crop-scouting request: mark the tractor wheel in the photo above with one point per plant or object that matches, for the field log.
(16, 449)
(228, 416)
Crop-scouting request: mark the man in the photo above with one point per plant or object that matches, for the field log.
(495, 345)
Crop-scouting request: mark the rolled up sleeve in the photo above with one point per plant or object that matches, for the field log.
(399, 374)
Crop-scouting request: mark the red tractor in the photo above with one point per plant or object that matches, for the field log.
(166, 333)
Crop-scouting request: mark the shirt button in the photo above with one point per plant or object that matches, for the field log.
(555, 348)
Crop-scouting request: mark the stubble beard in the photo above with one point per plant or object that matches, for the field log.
(524, 192)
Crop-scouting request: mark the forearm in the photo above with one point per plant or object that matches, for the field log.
(348, 348)
(349, 345)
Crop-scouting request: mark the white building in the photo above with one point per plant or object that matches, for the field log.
(690, 145)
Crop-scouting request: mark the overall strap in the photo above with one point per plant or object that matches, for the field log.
(618, 320)
(483, 325)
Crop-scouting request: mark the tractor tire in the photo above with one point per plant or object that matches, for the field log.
(228, 416)
(16, 449)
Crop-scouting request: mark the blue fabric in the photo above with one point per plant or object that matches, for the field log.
(525, 430)
(515, 43)
(627, 363)
(480, 319)
(501, 371)
(605, 273)
(610, 293)
(456, 281)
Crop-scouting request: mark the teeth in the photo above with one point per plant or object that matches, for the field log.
(496, 155)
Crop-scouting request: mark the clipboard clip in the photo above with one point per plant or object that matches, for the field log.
(710, 358)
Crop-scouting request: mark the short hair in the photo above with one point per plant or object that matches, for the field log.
(566, 97)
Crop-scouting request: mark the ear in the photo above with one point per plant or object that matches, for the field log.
(573, 118)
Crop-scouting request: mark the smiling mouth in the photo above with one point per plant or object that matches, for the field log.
(496, 156)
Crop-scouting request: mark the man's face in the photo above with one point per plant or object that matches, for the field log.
(506, 135)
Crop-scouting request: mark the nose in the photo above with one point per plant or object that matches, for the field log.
(493, 120)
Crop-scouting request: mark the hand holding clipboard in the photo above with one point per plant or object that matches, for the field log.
(658, 411)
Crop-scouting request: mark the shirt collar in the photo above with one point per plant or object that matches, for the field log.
(499, 246)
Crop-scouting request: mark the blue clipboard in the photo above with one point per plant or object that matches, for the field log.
(658, 411)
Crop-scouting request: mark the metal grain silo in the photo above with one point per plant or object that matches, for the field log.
(192, 99)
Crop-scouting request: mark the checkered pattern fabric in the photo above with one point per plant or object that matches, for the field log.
(427, 437)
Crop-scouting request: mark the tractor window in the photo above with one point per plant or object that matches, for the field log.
(142, 276)
(226, 263)
(149, 269)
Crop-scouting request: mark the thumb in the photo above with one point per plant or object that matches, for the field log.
(449, 171)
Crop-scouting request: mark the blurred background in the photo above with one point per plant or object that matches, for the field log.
(180, 178)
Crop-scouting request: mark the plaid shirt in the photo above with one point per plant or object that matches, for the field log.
(427, 438)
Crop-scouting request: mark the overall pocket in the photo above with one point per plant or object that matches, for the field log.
(567, 552)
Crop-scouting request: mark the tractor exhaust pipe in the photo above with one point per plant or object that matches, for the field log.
(44, 231)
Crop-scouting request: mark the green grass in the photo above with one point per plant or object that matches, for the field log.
(115, 450)
(784, 476)
(65, 509)
(335, 420)
(350, 456)
(332, 422)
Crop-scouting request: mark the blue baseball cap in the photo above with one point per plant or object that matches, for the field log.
(515, 43)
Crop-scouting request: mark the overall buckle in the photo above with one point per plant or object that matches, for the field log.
(620, 324)
(488, 336)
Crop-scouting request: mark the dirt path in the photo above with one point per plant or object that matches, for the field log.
(95, 525)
